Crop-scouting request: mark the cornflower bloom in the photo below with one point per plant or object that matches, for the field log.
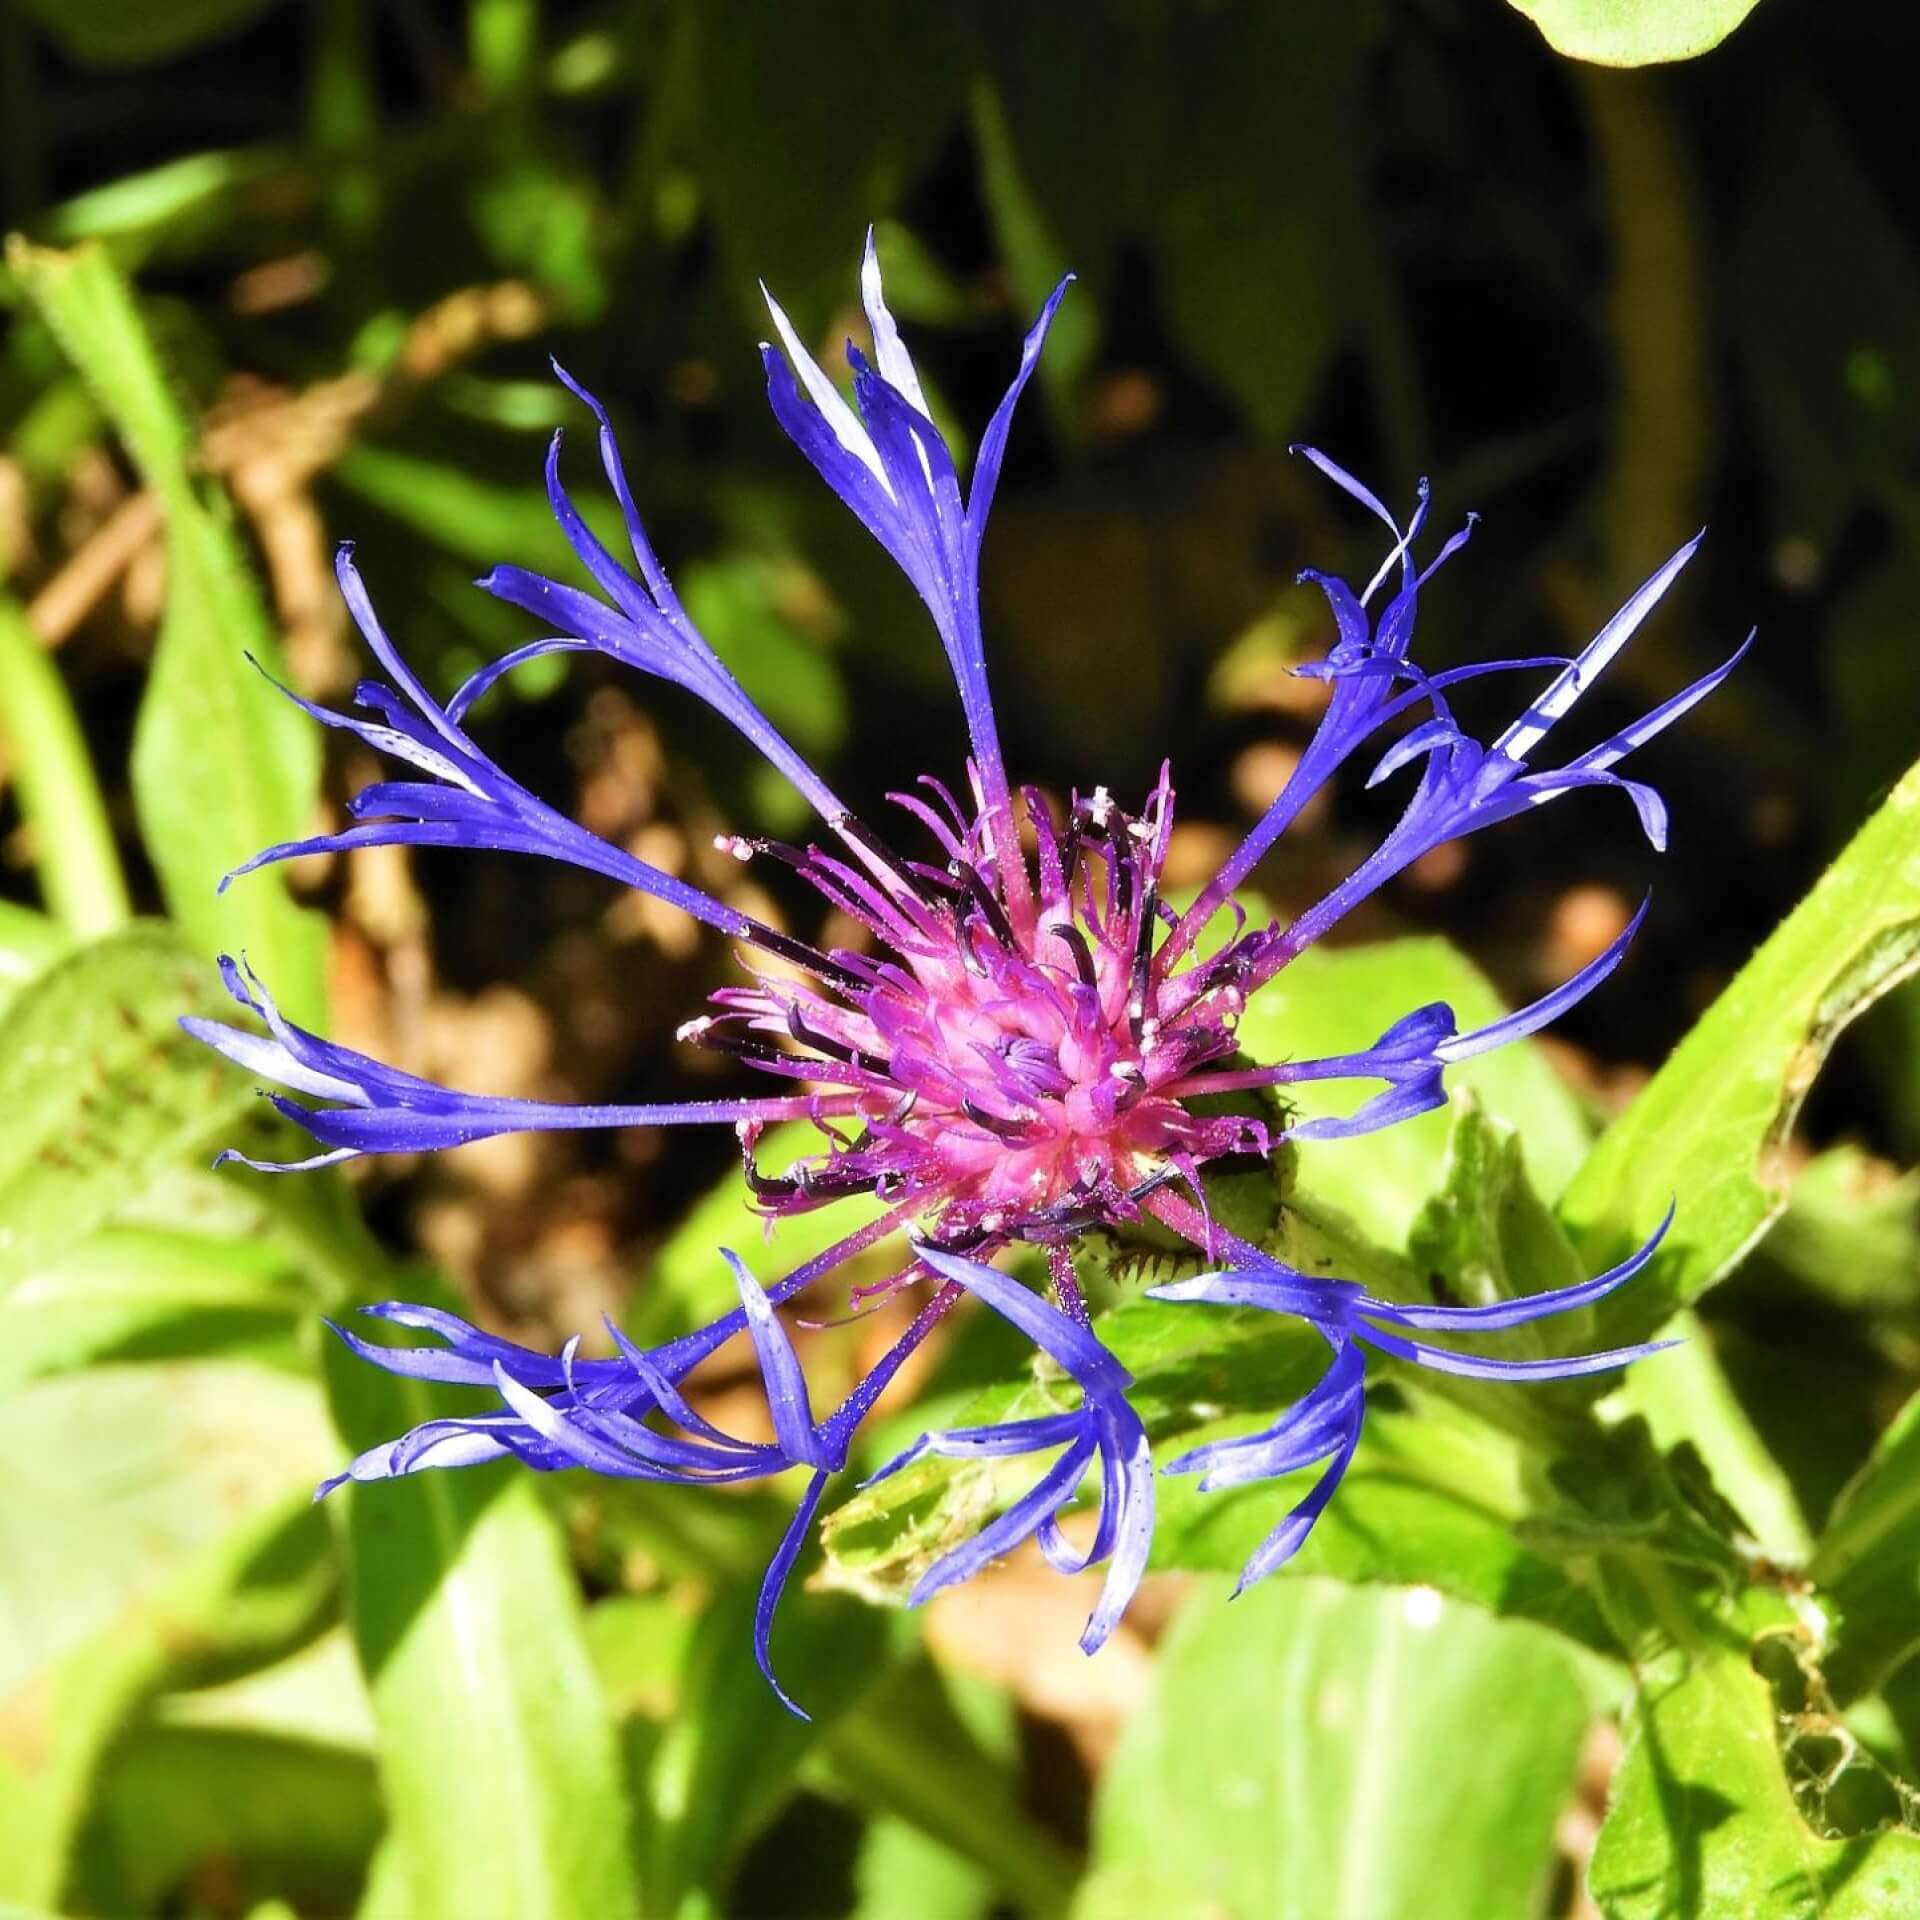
(1022, 1053)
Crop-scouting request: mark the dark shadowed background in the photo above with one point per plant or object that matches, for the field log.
(1599, 308)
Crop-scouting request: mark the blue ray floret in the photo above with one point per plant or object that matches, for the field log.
(1020, 1050)
(1326, 1423)
(1105, 1432)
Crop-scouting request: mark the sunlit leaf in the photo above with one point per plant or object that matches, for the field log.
(1702, 1819)
(1851, 1231)
(142, 1293)
(100, 1091)
(53, 772)
(1289, 1762)
(1711, 1126)
(1684, 1395)
(497, 1756)
(1635, 33)
(1340, 1000)
(164, 1539)
(1433, 1498)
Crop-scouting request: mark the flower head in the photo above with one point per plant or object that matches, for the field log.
(1023, 1049)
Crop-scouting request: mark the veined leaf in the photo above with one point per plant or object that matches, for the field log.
(223, 765)
(100, 1091)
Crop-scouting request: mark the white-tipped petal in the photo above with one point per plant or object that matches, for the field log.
(895, 364)
(844, 422)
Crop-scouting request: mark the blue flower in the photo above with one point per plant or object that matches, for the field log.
(1326, 1423)
(1022, 1053)
(1105, 1432)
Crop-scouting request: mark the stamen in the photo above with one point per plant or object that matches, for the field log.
(989, 907)
(1075, 943)
(1015, 1130)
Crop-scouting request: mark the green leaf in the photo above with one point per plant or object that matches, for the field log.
(902, 1875)
(143, 1293)
(638, 1645)
(1685, 1396)
(886, 1736)
(905, 1750)
(1286, 1763)
(106, 33)
(1711, 1126)
(1034, 255)
(1201, 113)
(1702, 1820)
(497, 1757)
(273, 1815)
(1486, 1236)
(1340, 1000)
(730, 1754)
(1265, 104)
(100, 1091)
(1851, 1231)
(472, 517)
(733, 604)
(180, 204)
(223, 764)
(316, 1695)
(29, 944)
(1867, 1562)
(60, 801)
(155, 1466)
(156, 1530)
(1634, 33)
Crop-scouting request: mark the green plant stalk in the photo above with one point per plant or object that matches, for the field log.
(73, 850)
(882, 1765)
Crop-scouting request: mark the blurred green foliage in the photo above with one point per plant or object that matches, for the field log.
(284, 273)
